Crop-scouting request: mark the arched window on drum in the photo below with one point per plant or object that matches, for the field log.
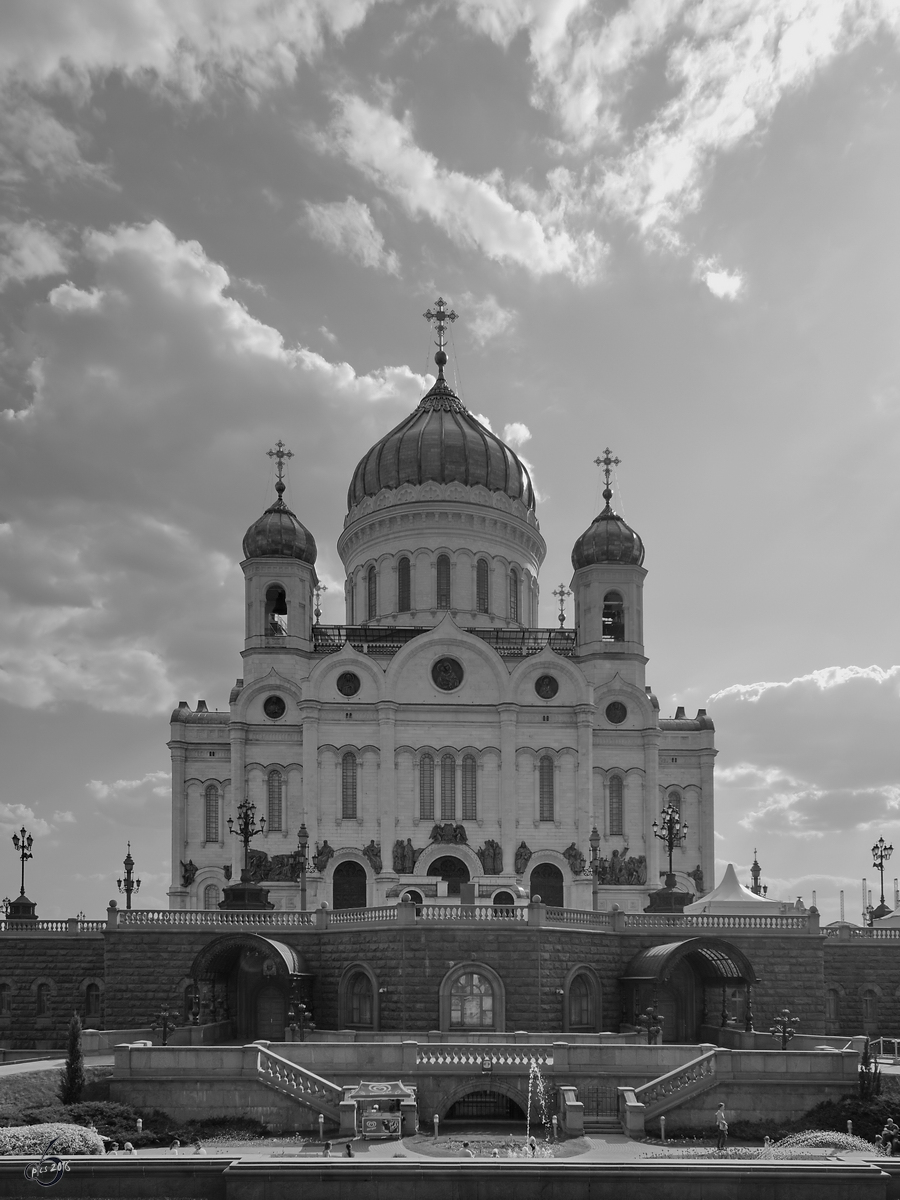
(482, 586)
(443, 581)
(275, 806)
(616, 812)
(403, 586)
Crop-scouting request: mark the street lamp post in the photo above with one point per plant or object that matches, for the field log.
(671, 833)
(130, 884)
(247, 829)
(23, 846)
(880, 855)
(302, 847)
(165, 1021)
(594, 840)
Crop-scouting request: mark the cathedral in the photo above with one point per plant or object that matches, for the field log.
(440, 746)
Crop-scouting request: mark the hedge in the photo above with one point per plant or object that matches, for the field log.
(35, 1140)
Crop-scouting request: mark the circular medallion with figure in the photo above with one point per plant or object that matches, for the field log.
(447, 674)
(274, 707)
(546, 687)
(616, 712)
(348, 683)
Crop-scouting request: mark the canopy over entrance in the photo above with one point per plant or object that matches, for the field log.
(714, 960)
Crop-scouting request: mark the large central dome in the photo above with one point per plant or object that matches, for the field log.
(441, 442)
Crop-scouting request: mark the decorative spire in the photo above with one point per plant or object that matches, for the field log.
(607, 463)
(439, 319)
(561, 593)
(280, 454)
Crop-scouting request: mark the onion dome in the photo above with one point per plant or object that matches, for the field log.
(609, 539)
(441, 442)
(279, 533)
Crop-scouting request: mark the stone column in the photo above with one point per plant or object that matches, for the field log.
(706, 836)
(652, 807)
(387, 788)
(238, 736)
(179, 810)
(584, 816)
(508, 800)
(309, 804)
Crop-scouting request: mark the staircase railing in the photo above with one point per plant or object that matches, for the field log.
(301, 1085)
(673, 1088)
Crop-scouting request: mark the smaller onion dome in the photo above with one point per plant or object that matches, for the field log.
(609, 539)
(279, 533)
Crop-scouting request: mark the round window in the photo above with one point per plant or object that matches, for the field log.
(274, 707)
(447, 674)
(546, 687)
(616, 712)
(348, 683)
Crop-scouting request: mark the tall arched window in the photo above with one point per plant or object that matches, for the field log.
(582, 1004)
(514, 595)
(274, 808)
(211, 813)
(210, 896)
(92, 1000)
(448, 788)
(545, 788)
(870, 1008)
(42, 1000)
(482, 587)
(832, 1005)
(276, 611)
(615, 805)
(471, 1002)
(351, 602)
(403, 588)
(613, 618)
(469, 793)
(426, 788)
(443, 581)
(348, 787)
(371, 593)
(360, 1001)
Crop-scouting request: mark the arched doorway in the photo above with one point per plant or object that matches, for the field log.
(348, 885)
(451, 869)
(547, 882)
(485, 1106)
(249, 980)
(503, 900)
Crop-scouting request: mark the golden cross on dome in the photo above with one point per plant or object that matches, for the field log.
(560, 593)
(607, 463)
(440, 318)
(280, 453)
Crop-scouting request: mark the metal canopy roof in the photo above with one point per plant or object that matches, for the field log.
(714, 960)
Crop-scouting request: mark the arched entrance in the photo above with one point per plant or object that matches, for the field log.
(451, 869)
(250, 981)
(348, 885)
(689, 984)
(485, 1105)
(547, 882)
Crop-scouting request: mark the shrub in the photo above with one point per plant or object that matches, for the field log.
(36, 1139)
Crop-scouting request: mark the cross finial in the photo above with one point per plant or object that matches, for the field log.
(607, 462)
(561, 592)
(439, 317)
(280, 454)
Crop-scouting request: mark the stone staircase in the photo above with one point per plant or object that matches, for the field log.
(601, 1127)
(321, 1095)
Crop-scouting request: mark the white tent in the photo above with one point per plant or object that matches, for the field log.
(732, 897)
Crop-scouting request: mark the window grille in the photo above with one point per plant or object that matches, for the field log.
(482, 587)
(360, 1001)
(514, 595)
(448, 788)
(42, 1000)
(615, 805)
(546, 788)
(426, 788)
(210, 896)
(581, 1014)
(372, 593)
(275, 807)
(403, 588)
(471, 1003)
(348, 787)
(92, 1000)
(443, 581)
(469, 793)
(212, 813)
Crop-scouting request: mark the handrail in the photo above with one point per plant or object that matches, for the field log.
(464, 1056)
(279, 918)
(469, 912)
(304, 1086)
(660, 1091)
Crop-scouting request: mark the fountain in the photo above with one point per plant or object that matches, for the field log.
(537, 1089)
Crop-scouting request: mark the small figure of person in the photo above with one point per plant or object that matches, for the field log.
(129, 1148)
(348, 1151)
(326, 1150)
(199, 1148)
(495, 1153)
(532, 1146)
(175, 1148)
(467, 1150)
(721, 1126)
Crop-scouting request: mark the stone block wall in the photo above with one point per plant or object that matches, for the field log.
(66, 963)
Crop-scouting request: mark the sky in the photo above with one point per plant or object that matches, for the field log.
(668, 227)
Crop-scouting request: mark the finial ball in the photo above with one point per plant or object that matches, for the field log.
(607, 494)
(440, 358)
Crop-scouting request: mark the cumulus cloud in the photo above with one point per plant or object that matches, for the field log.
(347, 226)
(473, 212)
(724, 285)
(14, 816)
(28, 250)
(132, 791)
(486, 318)
(119, 523)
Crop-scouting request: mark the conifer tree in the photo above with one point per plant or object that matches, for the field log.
(71, 1083)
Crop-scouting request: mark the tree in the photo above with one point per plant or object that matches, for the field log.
(71, 1083)
(869, 1074)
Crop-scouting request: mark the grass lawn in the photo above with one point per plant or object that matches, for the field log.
(33, 1089)
(483, 1147)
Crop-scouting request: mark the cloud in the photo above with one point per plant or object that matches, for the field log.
(132, 791)
(151, 381)
(348, 227)
(34, 141)
(516, 434)
(486, 318)
(724, 285)
(473, 212)
(29, 251)
(14, 816)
